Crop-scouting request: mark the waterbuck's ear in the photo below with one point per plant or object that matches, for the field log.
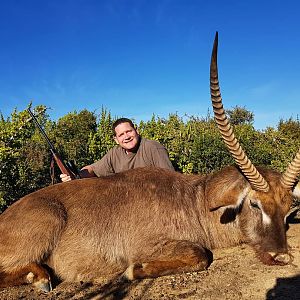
(227, 192)
(296, 190)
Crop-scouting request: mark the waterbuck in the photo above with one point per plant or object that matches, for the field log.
(147, 222)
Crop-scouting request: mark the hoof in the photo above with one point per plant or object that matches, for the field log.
(43, 285)
(128, 274)
(135, 271)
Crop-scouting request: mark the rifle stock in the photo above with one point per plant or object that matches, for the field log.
(62, 166)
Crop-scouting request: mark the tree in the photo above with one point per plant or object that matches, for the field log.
(72, 135)
(240, 115)
(290, 128)
(102, 140)
(22, 167)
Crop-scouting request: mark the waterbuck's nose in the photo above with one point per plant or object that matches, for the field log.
(281, 257)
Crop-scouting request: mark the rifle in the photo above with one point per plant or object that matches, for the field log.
(69, 167)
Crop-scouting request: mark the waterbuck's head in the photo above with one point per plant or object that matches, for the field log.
(264, 196)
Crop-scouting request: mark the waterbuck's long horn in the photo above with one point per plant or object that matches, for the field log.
(289, 177)
(254, 177)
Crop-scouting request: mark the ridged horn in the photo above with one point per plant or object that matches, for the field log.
(289, 177)
(256, 180)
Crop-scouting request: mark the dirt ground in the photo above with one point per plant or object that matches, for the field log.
(234, 274)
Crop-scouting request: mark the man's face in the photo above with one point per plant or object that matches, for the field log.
(126, 136)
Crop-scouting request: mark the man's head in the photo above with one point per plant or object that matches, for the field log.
(125, 134)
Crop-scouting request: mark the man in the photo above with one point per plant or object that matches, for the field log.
(131, 152)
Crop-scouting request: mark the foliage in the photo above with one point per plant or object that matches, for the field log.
(102, 139)
(194, 144)
(240, 115)
(290, 128)
(21, 160)
(72, 134)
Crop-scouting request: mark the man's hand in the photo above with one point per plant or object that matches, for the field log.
(64, 177)
(85, 172)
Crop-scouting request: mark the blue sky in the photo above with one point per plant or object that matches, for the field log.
(143, 57)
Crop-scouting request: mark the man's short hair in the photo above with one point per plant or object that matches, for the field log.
(120, 121)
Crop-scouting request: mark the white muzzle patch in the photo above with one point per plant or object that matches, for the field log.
(296, 191)
(266, 218)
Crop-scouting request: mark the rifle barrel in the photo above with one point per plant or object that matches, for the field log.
(41, 129)
(73, 173)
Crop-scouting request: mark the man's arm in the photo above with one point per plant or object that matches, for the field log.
(99, 168)
(159, 155)
(162, 159)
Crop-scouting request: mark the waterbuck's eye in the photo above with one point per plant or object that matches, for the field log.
(254, 204)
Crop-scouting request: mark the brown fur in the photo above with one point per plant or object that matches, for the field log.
(19, 276)
(152, 221)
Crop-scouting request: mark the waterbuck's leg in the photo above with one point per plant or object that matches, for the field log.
(172, 257)
(31, 274)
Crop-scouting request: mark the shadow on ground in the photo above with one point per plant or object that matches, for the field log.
(285, 288)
